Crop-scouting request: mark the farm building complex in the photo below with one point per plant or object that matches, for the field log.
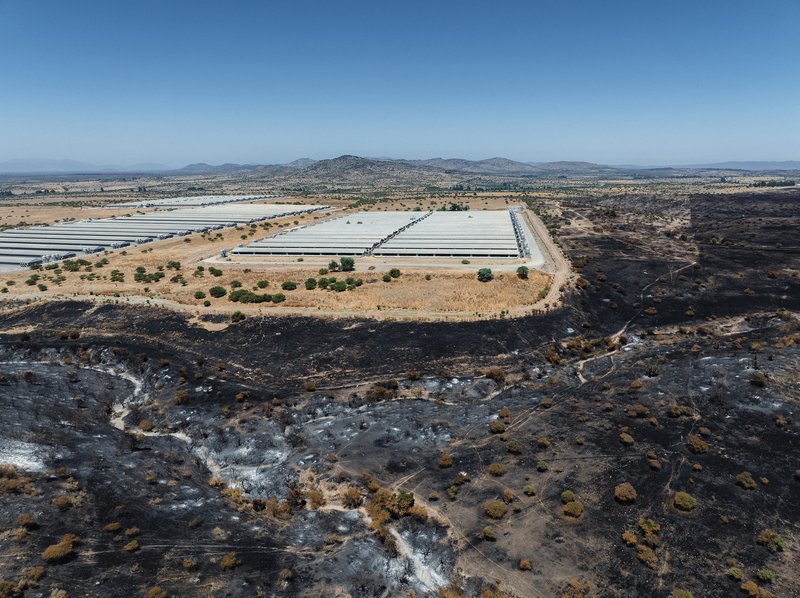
(23, 247)
(478, 234)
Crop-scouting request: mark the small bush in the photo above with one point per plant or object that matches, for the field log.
(445, 460)
(217, 292)
(485, 274)
(567, 496)
(497, 427)
(771, 539)
(625, 493)
(311, 284)
(386, 278)
(237, 316)
(746, 481)
(289, 285)
(497, 470)
(62, 550)
(646, 556)
(394, 273)
(684, 501)
(131, 546)
(199, 295)
(351, 497)
(765, 575)
(525, 565)
(529, 490)
(573, 509)
(697, 445)
(229, 561)
(495, 509)
(522, 272)
(496, 374)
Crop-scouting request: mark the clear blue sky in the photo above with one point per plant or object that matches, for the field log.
(616, 82)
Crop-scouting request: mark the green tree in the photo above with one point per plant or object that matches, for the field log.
(311, 284)
(522, 272)
(217, 292)
(394, 273)
(347, 264)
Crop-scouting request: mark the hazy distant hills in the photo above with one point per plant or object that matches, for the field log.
(752, 166)
(44, 166)
(203, 168)
(388, 167)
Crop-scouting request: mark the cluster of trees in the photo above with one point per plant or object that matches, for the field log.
(774, 183)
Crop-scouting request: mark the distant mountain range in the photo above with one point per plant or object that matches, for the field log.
(43, 166)
(493, 166)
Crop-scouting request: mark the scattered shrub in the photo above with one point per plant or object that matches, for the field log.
(497, 427)
(495, 509)
(529, 490)
(217, 292)
(525, 565)
(625, 493)
(131, 546)
(684, 501)
(485, 274)
(497, 470)
(229, 561)
(646, 556)
(445, 460)
(771, 540)
(573, 509)
(697, 445)
(522, 272)
(351, 497)
(746, 481)
(567, 496)
(62, 550)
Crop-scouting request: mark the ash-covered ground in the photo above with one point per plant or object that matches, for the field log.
(640, 441)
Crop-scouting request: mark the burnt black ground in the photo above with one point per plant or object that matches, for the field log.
(701, 295)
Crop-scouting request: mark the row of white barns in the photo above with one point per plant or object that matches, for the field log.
(353, 234)
(195, 200)
(33, 245)
(494, 234)
(467, 234)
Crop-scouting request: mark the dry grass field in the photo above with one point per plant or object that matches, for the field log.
(442, 289)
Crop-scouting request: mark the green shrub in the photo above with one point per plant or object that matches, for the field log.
(236, 284)
(522, 272)
(199, 295)
(347, 264)
(485, 274)
(278, 298)
(387, 278)
(289, 285)
(311, 284)
(394, 273)
(495, 509)
(262, 284)
(339, 286)
(684, 501)
(237, 316)
(217, 292)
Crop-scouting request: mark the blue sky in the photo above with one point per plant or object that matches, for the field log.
(616, 82)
